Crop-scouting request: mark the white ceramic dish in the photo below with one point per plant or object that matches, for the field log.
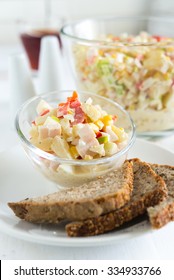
(20, 180)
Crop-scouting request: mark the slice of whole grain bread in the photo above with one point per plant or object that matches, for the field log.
(163, 213)
(100, 196)
(149, 189)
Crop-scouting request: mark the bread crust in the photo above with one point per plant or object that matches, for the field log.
(163, 213)
(50, 209)
(143, 196)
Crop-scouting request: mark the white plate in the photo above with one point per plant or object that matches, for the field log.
(18, 180)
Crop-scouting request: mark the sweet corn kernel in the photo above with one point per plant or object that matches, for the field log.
(107, 120)
(166, 76)
(88, 157)
(74, 152)
(101, 52)
(113, 55)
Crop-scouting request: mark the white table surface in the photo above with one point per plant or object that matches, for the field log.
(155, 245)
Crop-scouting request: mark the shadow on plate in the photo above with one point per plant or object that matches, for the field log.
(139, 224)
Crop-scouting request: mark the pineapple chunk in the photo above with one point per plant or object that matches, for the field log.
(155, 60)
(112, 135)
(94, 127)
(110, 148)
(41, 119)
(61, 148)
(91, 111)
(74, 152)
(122, 136)
(67, 130)
(44, 144)
(34, 132)
(168, 99)
(75, 129)
(100, 124)
(88, 157)
(98, 150)
(43, 132)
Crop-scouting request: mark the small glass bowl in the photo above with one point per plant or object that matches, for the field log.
(66, 172)
(137, 73)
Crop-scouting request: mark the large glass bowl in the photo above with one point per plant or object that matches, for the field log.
(67, 172)
(129, 60)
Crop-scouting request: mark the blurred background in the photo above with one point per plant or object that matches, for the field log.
(14, 14)
(12, 11)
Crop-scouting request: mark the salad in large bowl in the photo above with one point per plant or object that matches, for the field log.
(134, 68)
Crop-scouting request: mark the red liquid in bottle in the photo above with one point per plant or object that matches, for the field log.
(32, 41)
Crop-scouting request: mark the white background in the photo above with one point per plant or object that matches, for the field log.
(103, 273)
(13, 10)
(147, 247)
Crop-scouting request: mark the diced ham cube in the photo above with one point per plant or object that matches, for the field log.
(79, 116)
(75, 104)
(98, 150)
(41, 119)
(61, 147)
(50, 130)
(87, 140)
(54, 130)
(62, 110)
(87, 134)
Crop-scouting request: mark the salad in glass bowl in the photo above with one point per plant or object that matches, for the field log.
(114, 58)
(73, 138)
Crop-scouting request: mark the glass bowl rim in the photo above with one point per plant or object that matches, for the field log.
(103, 43)
(79, 162)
